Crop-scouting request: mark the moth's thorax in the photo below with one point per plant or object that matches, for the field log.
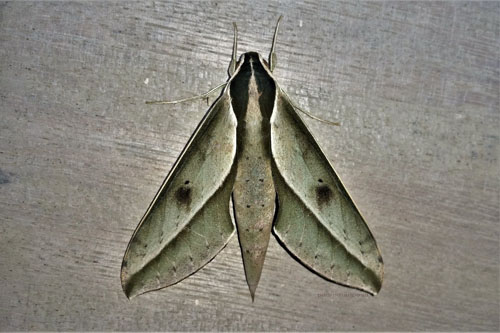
(252, 88)
(254, 57)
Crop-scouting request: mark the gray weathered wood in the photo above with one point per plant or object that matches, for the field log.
(415, 85)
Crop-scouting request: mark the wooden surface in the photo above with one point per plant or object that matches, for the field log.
(415, 85)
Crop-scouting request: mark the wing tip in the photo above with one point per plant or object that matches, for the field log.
(374, 289)
(130, 289)
(127, 290)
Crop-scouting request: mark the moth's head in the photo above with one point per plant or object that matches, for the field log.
(252, 58)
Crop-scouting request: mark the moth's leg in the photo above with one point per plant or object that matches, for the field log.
(205, 95)
(272, 54)
(309, 114)
(232, 65)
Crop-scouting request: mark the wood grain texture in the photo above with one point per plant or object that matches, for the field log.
(415, 85)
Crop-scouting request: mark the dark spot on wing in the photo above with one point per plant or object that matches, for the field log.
(380, 259)
(186, 182)
(124, 264)
(323, 194)
(183, 195)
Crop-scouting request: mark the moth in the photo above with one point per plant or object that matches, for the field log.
(251, 148)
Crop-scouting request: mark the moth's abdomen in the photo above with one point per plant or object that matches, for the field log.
(254, 205)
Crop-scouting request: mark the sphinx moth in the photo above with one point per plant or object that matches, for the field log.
(253, 148)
